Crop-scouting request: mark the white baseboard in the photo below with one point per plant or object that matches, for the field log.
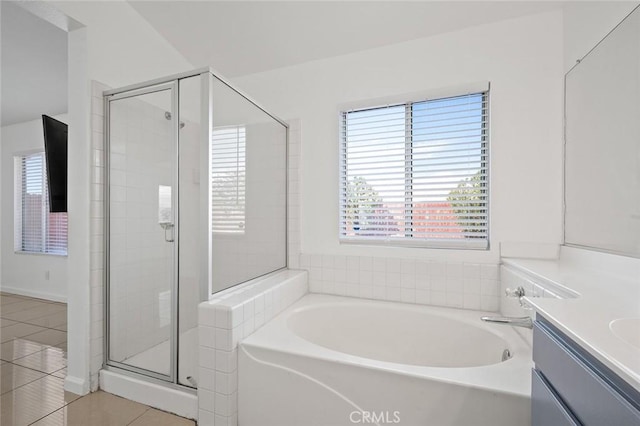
(76, 385)
(34, 293)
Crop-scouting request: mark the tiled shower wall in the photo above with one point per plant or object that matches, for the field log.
(293, 207)
(452, 284)
(137, 300)
(97, 232)
(141, 158)
(139, 304)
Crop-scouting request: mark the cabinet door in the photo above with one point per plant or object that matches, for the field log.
(592, 400)
(547, 408)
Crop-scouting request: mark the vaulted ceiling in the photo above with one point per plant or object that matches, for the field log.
(236, 37)
(245, 37)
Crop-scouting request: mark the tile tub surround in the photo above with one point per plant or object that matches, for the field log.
(224, 321)
(451, 284)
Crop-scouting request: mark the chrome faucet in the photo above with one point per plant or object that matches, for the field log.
(525, 322)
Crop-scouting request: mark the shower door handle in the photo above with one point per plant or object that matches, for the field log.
(167, 226)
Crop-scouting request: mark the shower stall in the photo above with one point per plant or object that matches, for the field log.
(195, 202)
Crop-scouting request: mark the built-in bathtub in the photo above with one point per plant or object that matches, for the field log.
(330, 360)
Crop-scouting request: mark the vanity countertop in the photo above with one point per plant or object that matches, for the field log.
(607, 288)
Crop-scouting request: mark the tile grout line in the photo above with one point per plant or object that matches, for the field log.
(39, 371)
(44, 347)
(63, 406)
(31, 319)
(35, 325)
(24, 384)
(47, 415)
(61, 308)
(33, 341)
(145, 412)
(32, 353)
(35, 299)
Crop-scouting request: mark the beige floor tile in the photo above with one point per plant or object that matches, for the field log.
(13, 376)
(9, 299)
(153, 417)
(33, 401)
(20, 306)
(18, 348)
(62, 345)
(47, 336)
(35, 312)
(14, 331)
(61, 327)
(47, 360)
(62, 373)
(99, 409)
(6, 322)
(52, 320)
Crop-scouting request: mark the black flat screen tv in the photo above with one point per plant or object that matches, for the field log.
(55, 148)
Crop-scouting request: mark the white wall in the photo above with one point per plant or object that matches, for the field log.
(585, 23)
(522, 58)
(123, 48)
(26, 273)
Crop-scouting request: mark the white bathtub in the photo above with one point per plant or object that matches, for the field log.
(329, 361)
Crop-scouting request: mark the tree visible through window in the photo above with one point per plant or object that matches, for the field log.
(416, 173)
(37, 230)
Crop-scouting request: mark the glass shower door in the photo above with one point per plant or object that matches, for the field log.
(142, 231)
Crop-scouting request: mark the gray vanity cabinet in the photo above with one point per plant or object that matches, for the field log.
(571, 387)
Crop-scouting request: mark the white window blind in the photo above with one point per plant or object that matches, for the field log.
(36, 229)
(416, 173)
(228, 179)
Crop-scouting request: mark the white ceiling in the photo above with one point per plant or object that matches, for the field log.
(244, 37)
(235, 37)
(34, 66)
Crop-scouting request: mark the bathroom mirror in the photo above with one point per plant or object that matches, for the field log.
(602, 144)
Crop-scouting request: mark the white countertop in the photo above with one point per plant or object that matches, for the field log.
(608, 288)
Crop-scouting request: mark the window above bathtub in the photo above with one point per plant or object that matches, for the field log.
(416, 173)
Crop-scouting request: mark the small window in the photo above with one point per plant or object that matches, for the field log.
(36, 229)
(416, 173)
(228, 179)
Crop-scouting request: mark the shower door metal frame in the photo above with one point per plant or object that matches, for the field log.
(207, 75)
(173, 86)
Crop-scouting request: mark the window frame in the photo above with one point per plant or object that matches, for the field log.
(18, 208)
(483, 244)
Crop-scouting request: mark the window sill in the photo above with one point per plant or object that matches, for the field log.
(431, 244)
(37, 253)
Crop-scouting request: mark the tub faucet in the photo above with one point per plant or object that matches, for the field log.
(525, 322)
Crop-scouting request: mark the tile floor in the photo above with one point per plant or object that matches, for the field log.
(33, 363)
